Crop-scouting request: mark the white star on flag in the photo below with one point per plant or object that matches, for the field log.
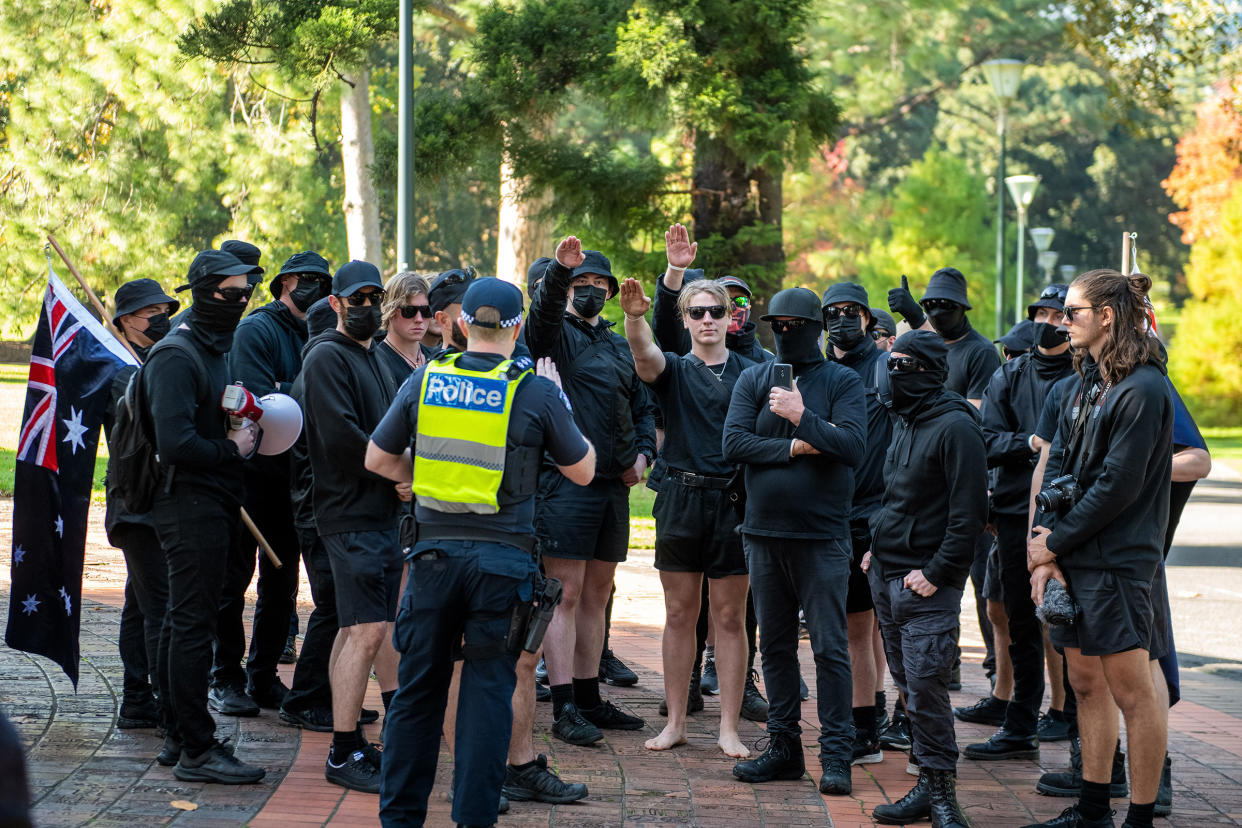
(75, 430)
(68, 601)
(60, 526)
(30, 605)
(18, 554)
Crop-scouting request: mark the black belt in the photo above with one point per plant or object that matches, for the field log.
(524, 542)
(699, 481)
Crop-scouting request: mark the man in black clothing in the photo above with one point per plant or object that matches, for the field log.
(1011, 408)
(266, 357)
(142, 311)
(444, 298)
(922, 541)
(346, 393)
(1116, 439)
(584, 531)
(883, 329)
(847, 318)
(799, 447)
(197, 508)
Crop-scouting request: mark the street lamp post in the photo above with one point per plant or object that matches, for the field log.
(1041, 237)
(1022, 188)
(405, 138)
(1003, 76)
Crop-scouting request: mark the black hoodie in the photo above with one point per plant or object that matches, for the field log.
(869, 476)
(671, 334)
(267, 349)
(935, 494)
(346, 393)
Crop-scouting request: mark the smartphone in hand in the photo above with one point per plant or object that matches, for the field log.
(782, 376)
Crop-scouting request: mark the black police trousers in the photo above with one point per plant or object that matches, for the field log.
(1026, 636)
(311, 686)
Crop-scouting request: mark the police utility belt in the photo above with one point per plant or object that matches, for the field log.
(699, 481)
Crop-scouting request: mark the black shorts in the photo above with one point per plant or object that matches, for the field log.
(993, 585)
(366, 567)
(583, 523)
(1160, 643)
(1116, 613)
(695, 531)
(858, 596)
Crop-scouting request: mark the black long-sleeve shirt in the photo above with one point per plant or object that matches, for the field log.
(807, 496)
(869, 476)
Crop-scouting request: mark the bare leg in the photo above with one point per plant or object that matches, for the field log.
(1097, 715)
(881, 661)
(728, 609)
(1000, 644)
(1129, 676)
(682, 592)
(386, 659)
(353, 668)
(521, 748)
(558, 645)
(1056, 675)
(589, 643)
(860, 630)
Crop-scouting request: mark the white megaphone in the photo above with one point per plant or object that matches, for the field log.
(278, 417)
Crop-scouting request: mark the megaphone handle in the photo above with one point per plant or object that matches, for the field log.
(263, 544)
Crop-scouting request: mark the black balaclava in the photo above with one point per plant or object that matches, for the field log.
(800, 346)
(589, 300)
(912, 392)
(1050, 336)
(307, 294)
(362, 323)
(951, 324)
(845, 333)
(158, 327)
(214, 319)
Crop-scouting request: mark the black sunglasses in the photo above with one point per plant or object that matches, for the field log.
(411, 311)
(904, 365)
(1052, 293)
(787, 325)
(879, 334)
(939, 304)
(453, 277)
(1070, 310)
(236, 294)
(850, 312)
(699, 311)
(359, 299)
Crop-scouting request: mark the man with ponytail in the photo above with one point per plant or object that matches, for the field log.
(1103, 536)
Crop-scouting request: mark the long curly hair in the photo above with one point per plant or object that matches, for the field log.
(1126, 343)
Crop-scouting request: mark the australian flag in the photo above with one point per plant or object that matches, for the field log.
(71, 369)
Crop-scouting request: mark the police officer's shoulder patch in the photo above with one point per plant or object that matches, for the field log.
(519, 366)
(565, 400)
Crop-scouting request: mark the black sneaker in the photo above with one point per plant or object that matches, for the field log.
(317, 719)
(1071, 818)
(754, 705)
(290, 654)
(986, 711)
(804, 692)
(541, 671)
(881, 718)
(1004, 745)
(356, 773)
(571, 727)
(781, 759)
(836, 780)
(217, 764)
(269, 695)
(138, 715)
(1164, 794)
(610, 717)
(612, 670)
(710, 683)
(231, 700)
(1053, 727)
(1069, 782)
(897, 735)
(367, 716)
(866, 750)
(694, 700)
(535, 783)
(542, 692)
(169, 753)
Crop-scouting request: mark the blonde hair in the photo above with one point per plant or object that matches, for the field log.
(397, 290)
(711, 287)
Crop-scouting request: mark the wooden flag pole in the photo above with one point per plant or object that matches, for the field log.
(103, 315)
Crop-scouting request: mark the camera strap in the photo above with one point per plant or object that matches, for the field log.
(1085, 412)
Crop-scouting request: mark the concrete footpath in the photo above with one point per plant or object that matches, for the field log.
(86, 771)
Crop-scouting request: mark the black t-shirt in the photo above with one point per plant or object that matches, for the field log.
(541, 418)
(972, 359)
(1051, 412)
(695, 403)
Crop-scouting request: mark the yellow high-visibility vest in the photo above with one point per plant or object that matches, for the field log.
(459, 449)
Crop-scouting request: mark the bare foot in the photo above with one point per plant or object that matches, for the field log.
(732, 746)
(669, 737)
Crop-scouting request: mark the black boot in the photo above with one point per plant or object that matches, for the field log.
(915, 806)
(1069, 783)
(782, 759)
(1164, 795)
(945, 812)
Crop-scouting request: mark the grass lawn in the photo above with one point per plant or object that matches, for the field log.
(8, 464)
(1224, 443)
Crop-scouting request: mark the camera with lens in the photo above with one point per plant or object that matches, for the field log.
(1058, 495)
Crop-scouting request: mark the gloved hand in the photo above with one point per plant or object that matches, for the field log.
(901, 301)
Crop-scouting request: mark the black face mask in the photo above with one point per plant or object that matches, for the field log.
(157, 327)
(845, 333)
(799, 346)
(213, 319)
(362, 323)
(912, 391)
(1049, 336)
(589, 300)
(949, 323)
(307, 294)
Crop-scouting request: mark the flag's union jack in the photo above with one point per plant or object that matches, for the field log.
(37, 441)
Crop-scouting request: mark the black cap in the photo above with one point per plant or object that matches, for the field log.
(734, 281)
(308, 261)
(354, 275)
(245, 251)
(534, 274)
(139, 294)
(1052, 296)
(493, 293)
(320, 317)
(847, 292)
(595, 262)
(449, 287)
(214, 266)
(926, 346)
(1021, 337)
(883, 320)
(798, 302)
(947, 283)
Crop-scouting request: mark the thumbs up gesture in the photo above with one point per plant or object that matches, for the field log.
(901, 301)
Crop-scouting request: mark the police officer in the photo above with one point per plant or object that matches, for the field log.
(142, 311)
(922, 541)
(197, 507)
(476, 425)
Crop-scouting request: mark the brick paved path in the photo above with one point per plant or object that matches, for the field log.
(84, 770)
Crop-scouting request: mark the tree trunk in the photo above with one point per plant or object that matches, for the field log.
(361, 205)
(525, 234)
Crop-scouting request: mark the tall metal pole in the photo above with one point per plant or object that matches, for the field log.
(1000, 225)
(405, 139)
(1017, 301)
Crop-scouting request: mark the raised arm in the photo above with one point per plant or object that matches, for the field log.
(547, 309)
(648, 358)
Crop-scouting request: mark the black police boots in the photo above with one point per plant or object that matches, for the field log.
(915, 806)
(782, 759)
(945, 812)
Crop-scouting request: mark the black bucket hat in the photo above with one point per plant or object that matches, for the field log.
(139, 294)
(947, 283)
(308, 261)
(595, 262)
(1052, 296)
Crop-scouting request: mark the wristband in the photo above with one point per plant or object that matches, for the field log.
(675, 268)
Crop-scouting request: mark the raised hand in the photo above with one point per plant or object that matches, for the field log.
(678, 248)
(634, 301)
(545, 367)
(569, 252)
(901, 301)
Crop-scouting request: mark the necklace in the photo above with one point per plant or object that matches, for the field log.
(718, 374)
(415, 363)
